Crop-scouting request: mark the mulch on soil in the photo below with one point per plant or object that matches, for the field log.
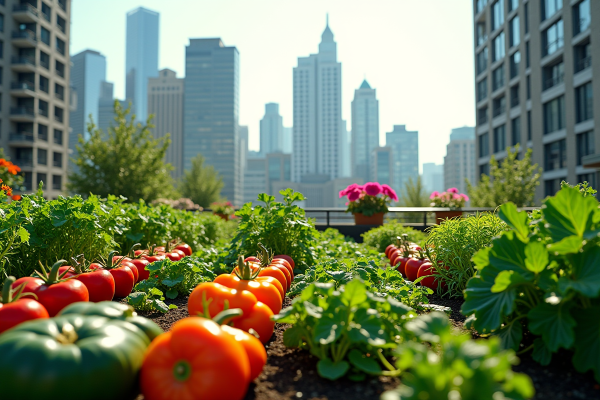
(292, 373)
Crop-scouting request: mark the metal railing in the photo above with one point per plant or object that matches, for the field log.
(22, 111)
(58, 139)
(499, 110)
(43, 112)
(21, 137)
(23, 60)
(24, 162)
(58, 118)
(22, 86)
(553, 81)
(27, 34)
(581, 25)
(43, 136)
(57, 163)
(583, 63)
(25, 8)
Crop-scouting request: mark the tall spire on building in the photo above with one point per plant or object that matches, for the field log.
(327, 35)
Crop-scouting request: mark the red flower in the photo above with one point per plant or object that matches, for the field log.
(17, 197)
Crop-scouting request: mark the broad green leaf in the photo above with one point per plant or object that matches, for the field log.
(330, 370)
(171, 294)
(160, 305)
(170, 282)
(292, 337)
(508, 253)
(23, 235)
(515, 219)
(586, 273)
(355, 293)
(481, 259)
(568, 213)
(570, 244)
(587, 343)
(536, 257)
(511, 335)
(313, 310)
(366, 327)
(327, 330)
(364, 363)
(172, 307)
(507, 279)
(286, 316)
(554, 323)
(518, 386)
(431, 327)
(541, 352)
(398, 307)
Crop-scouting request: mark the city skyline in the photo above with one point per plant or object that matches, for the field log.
(379, 51)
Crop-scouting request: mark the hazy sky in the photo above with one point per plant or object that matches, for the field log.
(418, 54)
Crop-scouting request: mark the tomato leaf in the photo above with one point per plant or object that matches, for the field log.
(330, 370)
(433, 327)
(554, 323)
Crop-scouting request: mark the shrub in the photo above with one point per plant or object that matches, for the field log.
(386, 234)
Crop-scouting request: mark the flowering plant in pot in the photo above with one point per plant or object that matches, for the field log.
(223, 209)
(449, 199)
(368, 202)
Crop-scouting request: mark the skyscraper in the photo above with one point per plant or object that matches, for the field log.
(318, 126)
(459, 163)
(271, 130)
(405, 150)
(141, 57)
(365, 129)
(211, 110)
(382, 166)
(287, 139)
(433, 177)
(165, 102)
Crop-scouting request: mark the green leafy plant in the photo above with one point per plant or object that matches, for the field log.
(201, 183)
(348, 328)
(447, 366)
(451, 246)
(381, 237)
(150, 301)
(223, 208)
(584, 188)
(543, 276)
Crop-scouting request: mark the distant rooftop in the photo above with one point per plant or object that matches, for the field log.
(142, 9)
(463, 133)
(365, 85)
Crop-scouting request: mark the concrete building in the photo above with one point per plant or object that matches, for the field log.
(165, 102)
(405, 148)
(318, 190)
(287, 140)
(106, 107)
(271, 130)
(459, 162)
(141, 57)
(318, 126)
(382, 166)
(433, 177)
(345, 151)
(35, 71)
(535, 63)
(211, 111)
(255, 179)
(279, 168)
(365, 129)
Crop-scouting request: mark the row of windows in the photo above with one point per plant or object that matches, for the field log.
(42, 177)
(548, 9)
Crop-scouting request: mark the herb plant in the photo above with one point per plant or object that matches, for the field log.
(543, 276)
(387, 234)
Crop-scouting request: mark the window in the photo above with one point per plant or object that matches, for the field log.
(482, 115)
(1, 22)
(555, 155)
(58, 136)
(42, 158)
(553, 38)
(482, 59)
(57, 159)
(44, 84)
(60, 69)
(27, 183)
(527, 60)
(515, 32)
(514, 96)
(583, 57)
(59, 91)
(550, 7)
(1, 49)
(581, 17)
(484, 145)
(553, 75)
(498, 78)
(497, 14)
(515, 61)
(482, 90)
(480, 5)
(528, 83)
(44, 60)
(499, 106)
(526, 17)
(62, 4)
(584, 102)
(57, 182)
(42, 132)
(554, 115)
(515, 127)
(484, 169)
(46, 12)
(58, 114)
(513, 5)
(481, 33)
(585, 145)
(499, 138)
(43, 108)
(498, 46)
(552, 186)
(45, 35)
(41, 178)
(60, 46)
(528, 125)
(60, 22)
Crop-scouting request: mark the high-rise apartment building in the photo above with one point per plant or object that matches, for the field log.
(459, 162)
(365, 129)
(318, 126)
(165, 102)
(382, 166)
(405, 149)
(34, 90)
(141, 58)
(211, 111)
(271, 130)
(535, 68)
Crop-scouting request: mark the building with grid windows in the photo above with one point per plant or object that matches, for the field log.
(365, 129)
(34, 90)
(535, 63)
(271, 130)
(405, 151)
(459, 162)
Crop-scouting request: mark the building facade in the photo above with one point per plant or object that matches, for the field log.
(460, 160)
(211, 111)
(318, 130)
(365, 129)
(433, 177)
(271, 130)
(35, 71)
(141, 57)
(165, 102)
(255, 179)
(287, 140)
(382, 166)
(535, 68)
(405, 148)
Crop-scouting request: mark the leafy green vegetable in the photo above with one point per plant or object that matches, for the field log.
(383, 236)
(150, 301)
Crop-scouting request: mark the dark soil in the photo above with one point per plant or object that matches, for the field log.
(291, 373)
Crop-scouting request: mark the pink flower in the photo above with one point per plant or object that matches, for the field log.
(457, 197)
(464, 196)
(373, 188)
(434, 195)
(354, 195)
(388, 191)
(349, 189)
(452, 190)
(343, 193)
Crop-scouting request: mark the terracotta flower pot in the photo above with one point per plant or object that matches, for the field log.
(375, 219)
(442, 215)
(223, 216)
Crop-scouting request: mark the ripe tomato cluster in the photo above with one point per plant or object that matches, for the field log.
(410, 261)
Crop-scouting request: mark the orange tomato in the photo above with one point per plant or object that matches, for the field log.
(286, 273)
(219, 294)
(273, 282)
(264, 291)
(257, 355)
(287, 258)
(259, 319)
(286, 264)
(275, 273)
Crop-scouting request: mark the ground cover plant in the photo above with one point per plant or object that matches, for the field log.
(381, 237)
(542, 276)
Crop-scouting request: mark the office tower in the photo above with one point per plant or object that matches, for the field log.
(106, 107)
(141, 57)
(279, 168)
(255, 179)
(211, 109)
(244, 141)
(535, 62)
(345, 151)
(365, 129)
(318, 126)
(459, 163)
(271, 130)
(382, 166)
(405, 148)
(165, 102)
(287, 140)
(35, 70)
(433, 177)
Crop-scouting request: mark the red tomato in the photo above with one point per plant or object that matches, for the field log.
(425, 270)
(99, 283)
(286, 264)
(133, 268)
(287, 258)
(400, 264)
(140, 265)
(56, 296)
(138, 252)
(117, 259)
(159, 248)
(173, 256)
(12, 314)
(412, 268)
(156, 257)
(124, 280)
(258, 319)
(389, 249)
(393, 254)
(252, 258)
(185, 248)
(181, 253)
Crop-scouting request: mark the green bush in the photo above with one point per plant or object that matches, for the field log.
(383, 236)
(453, 243)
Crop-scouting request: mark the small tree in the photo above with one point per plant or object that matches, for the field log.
(127, 162)
(202, 183)
(514, 180)
(414, 194)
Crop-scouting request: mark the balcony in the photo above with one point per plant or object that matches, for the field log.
(25, 13)
(553, 81)
(22, 114)
(43, 136)
(22, 89)
(581, 25)
(62, 4)
(20, 139)
(23, 64)
(43, 112)
(24, 162)
(25, 38)
(499, 110)
(583, 63)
